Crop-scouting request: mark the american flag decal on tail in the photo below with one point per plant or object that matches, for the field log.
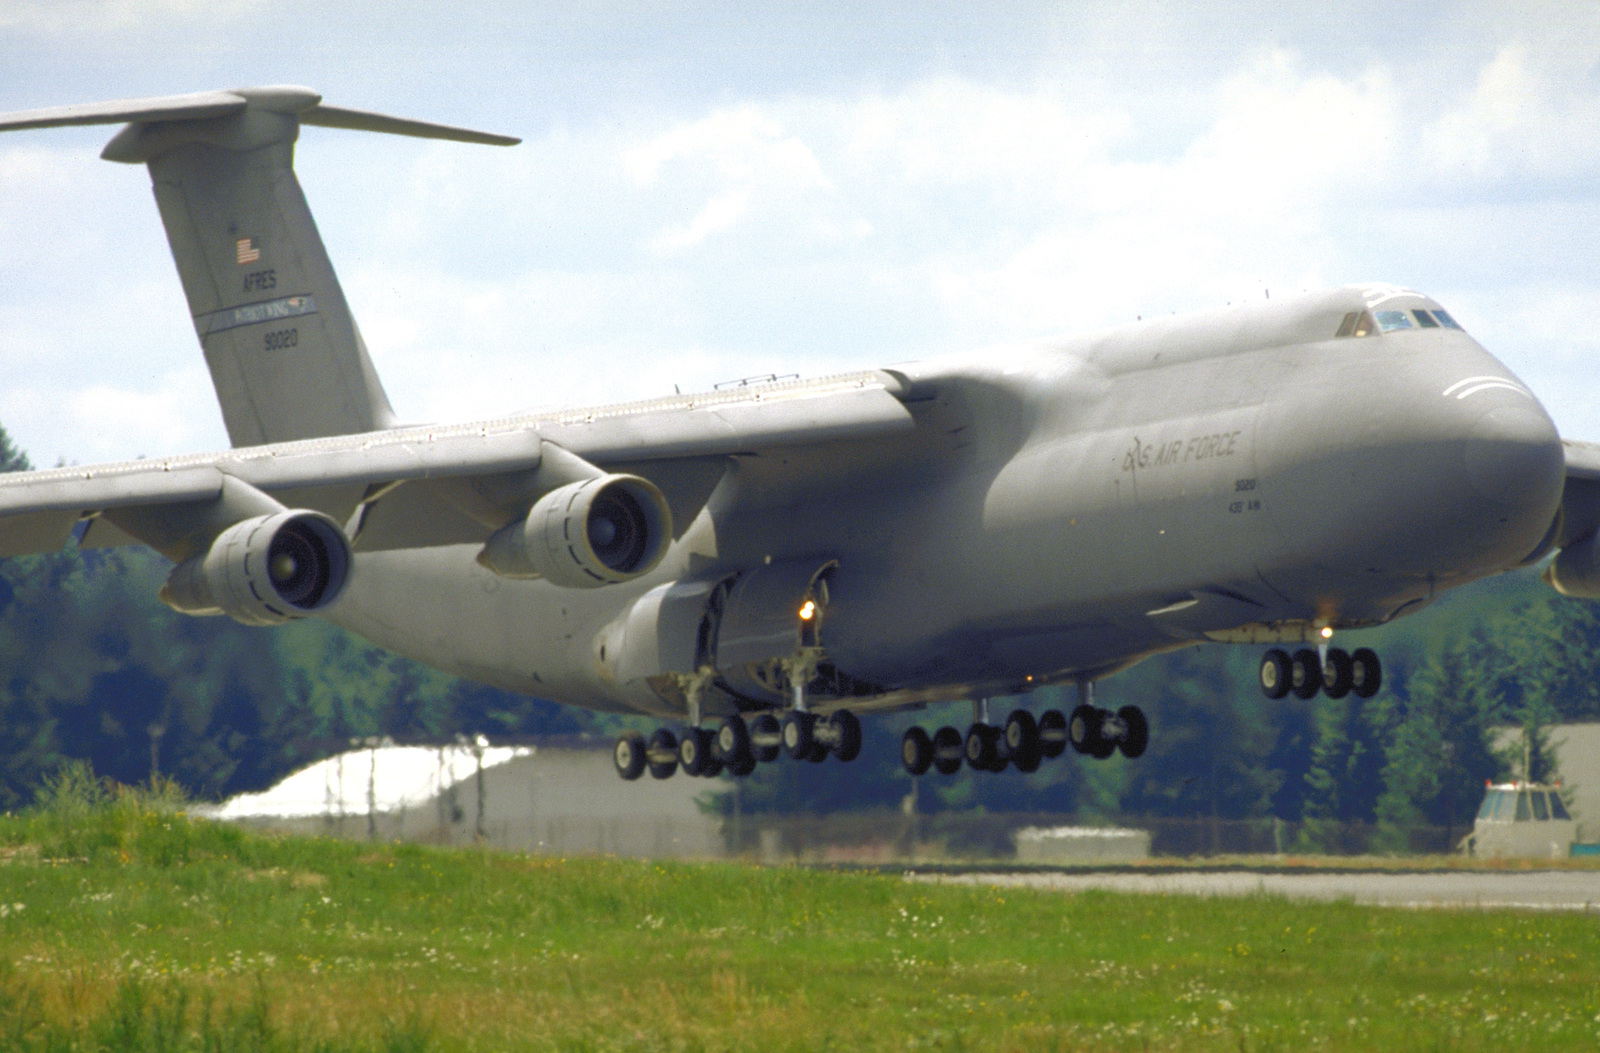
(246, 251)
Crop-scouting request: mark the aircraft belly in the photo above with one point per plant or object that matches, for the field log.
(439, 607)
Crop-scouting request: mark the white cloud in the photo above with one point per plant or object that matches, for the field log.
(106, 16)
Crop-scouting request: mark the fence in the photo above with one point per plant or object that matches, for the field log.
(891, 836)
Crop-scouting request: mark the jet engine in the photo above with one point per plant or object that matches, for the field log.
(265, 570)
(586, 534)
(1575, 571)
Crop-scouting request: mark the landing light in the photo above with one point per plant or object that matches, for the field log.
(1327, 633)
(808, 610)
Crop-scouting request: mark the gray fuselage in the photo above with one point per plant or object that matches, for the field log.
(1061, 510)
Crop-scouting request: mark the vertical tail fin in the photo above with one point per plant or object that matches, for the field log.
(284, 352)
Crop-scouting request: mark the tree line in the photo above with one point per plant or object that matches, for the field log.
(93, 667)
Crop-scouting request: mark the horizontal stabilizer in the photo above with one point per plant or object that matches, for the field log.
(362, 121)
(302, 103)
(120, 111)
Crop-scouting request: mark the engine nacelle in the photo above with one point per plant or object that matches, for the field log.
(594, 532)
(264, 571)
(1575, 571)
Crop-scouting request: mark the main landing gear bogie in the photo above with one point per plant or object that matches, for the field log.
(738, 746)
(1025, 741)
(1335, 673)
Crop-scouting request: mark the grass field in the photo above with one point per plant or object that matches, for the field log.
(125, 925)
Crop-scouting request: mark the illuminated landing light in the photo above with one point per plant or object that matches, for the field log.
(1327, 633)
(808, 610)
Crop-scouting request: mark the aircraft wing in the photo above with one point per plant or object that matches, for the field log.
(1580, 501)
(405, 466)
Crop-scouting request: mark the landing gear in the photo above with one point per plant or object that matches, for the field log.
(662, 754)
(982, 748)
(695, 754)
(916, 751)
(947, 751)
(629, 756)
(1333, 672)
(1052, 733)
(1024, 741)
(1020, 735)
(1366, 673)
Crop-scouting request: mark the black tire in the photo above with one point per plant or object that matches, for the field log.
(1101, 747)
(740, 767)
(947, 750)
(1305, 675)
(847, 744)
(1275, 673)
(665, 743)
(733, 740)
(1083, 729)
(694, 753)
(797, 733)
(981, 748)
(1366, 672)
(916, 751)
(1020, 738)
(765, 728)
(629, 756)
(1028, 765)
(1137, 738)
(818, 754)
(1052, 733)
(1338, 674)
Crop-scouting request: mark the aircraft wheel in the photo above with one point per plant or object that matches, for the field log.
(916, 751)
(982, 748)
(663, 754)
(1136, 739)
(1083, 728)
(797, 733)
(847, 746)
(1275, 673)
(1028, 764)
(947, 750)
(1338, 674)
(694, 753)
(742, 766)
(1366, 673)
(1052, 733)
(733, 740)
(1021, 737)
(1101, 747)
(1305, 675)
(628, 755)
(766, 738)
(819, 752)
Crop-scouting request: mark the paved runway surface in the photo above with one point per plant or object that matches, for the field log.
(1536, 890)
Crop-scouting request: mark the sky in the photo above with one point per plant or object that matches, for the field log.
(709, 191)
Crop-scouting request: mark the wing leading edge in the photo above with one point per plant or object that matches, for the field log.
(338, 474)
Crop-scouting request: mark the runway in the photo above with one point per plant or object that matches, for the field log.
(1564, 890)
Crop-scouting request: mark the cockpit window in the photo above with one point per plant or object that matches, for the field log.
(1357, 323)
(1425, 320)
(1391, 320)
(1444, 319)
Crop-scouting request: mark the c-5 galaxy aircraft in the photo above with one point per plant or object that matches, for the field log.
(780, 556)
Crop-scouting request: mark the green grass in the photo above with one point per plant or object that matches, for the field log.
(126, 925)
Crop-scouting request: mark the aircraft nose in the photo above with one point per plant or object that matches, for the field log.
(1513, 457)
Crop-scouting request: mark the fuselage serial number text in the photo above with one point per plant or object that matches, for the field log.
(283, 338)
(1180, 451)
